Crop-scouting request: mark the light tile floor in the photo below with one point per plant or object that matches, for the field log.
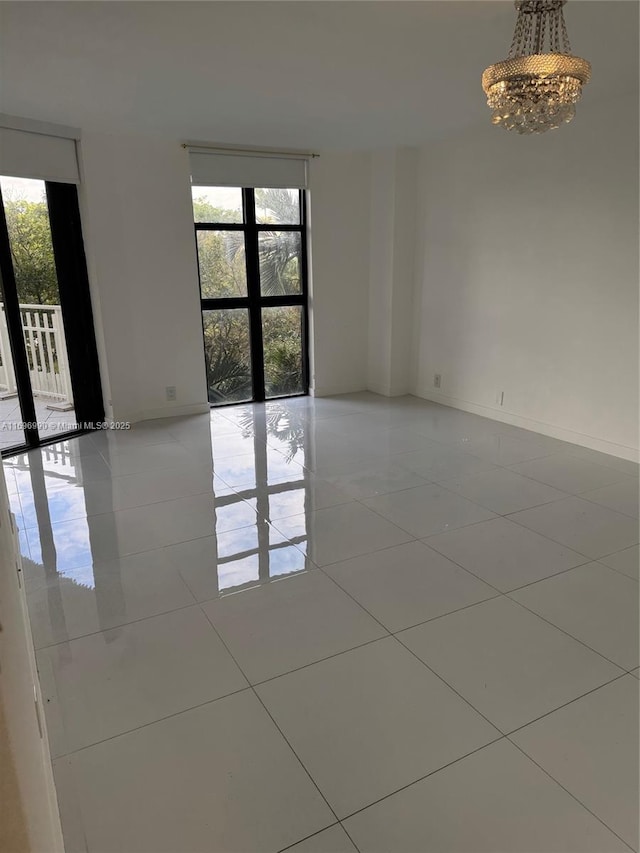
(343, 624)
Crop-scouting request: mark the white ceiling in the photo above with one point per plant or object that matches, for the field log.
(296, 74)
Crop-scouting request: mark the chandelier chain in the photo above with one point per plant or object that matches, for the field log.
(537, 87)
(539, 23)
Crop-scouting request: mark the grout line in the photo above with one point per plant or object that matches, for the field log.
(563, 544)
(320, 660)
(307, 837)
(259, 699)
(563, 631)
(566, 704)
(119, 625)
(426, 776)
(151, 723)
(573, 796)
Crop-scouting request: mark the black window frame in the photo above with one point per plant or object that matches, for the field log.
(255, 301)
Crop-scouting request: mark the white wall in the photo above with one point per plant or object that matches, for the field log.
(528, 278)
(392, 269)
(340, 205)
(138, 227)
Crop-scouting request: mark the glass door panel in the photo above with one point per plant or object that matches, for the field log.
(283, 360)
(26, 214)
(280, 254)
(222, 264)
(227, 346)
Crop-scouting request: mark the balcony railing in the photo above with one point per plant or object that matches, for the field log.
(46, 347)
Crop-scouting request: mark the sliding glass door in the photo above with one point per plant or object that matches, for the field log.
(49, 380)
(251, 246)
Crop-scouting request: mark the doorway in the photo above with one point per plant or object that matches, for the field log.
(49, 375)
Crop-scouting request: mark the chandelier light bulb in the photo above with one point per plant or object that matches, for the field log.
(537, 87)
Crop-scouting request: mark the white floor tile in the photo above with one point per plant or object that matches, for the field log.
(585, 527)
(229, 561)
(341, 532)
(110, 535)
(332, 840)
(233, 511)
(622, 497)
(569, 473)
(503, 449)
(244, 471)
(369, 721)
(134, 460)
(307, 496)
(503, 491)
(509, 664)
(115, 681)
(626, 561)
(438, 462)
(367, 480)
(624, 465)
(428, 510)
(408, 584)
(104, 595)
(219, 778)
(280, 626)
(588, 741)
(505, 554)
(509, 806)
(594, 604)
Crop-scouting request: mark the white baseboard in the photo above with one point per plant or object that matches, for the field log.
(590, 441)
(173, 412)
(334, 390)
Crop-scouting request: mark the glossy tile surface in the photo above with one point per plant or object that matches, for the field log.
(219, 777)
(332, 840)
(408, 722)
(408, 584)
(586, 527)
(504, 554)
(114, 681)
(569, 473)
(339, 532)
(242, 613)
(503, 491)
(592, 739)
(622, 497)
(508, 663)
(278, 627)
(626, 561)
(427, 510)
(509, 804)
(594, 604)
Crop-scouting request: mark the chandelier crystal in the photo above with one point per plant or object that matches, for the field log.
(537, 87)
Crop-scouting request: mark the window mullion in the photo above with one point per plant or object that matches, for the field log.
(253, 290)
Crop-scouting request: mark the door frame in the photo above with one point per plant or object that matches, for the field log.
(77, 314)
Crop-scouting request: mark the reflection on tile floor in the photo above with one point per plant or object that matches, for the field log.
(339, 624)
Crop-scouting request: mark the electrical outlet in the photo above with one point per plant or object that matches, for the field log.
(437, 380)
(171, 392)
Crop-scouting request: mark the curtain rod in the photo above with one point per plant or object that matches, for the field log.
(248, 152)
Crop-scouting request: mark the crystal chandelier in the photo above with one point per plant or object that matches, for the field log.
(536, 88)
